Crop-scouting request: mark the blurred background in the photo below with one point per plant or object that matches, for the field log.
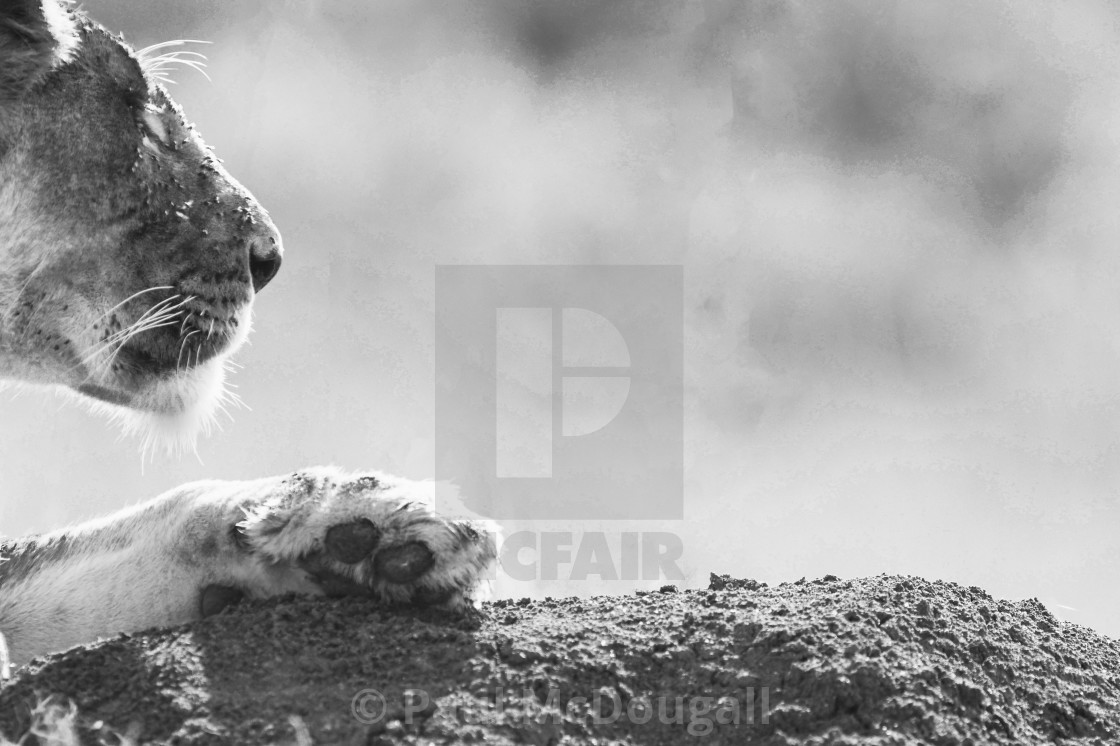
(897, 222)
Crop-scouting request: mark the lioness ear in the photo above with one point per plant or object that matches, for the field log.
(35, 35)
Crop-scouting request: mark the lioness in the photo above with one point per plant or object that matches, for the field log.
(129, 260)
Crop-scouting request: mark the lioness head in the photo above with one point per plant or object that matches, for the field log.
(129, 258)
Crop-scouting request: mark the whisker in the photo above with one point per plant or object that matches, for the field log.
(157, 65)
(106, 341)
(182, 346)
(158, 316)
(156, 307)
(144, 53)
(123, 334)
(169, 60)
(177, 54)
(133, 296)
(159, 323)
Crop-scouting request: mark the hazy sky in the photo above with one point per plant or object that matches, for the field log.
(896, 222)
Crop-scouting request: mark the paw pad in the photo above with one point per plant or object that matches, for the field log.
(404, 564)
(352, 542)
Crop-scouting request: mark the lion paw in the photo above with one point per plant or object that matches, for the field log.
(367, 535)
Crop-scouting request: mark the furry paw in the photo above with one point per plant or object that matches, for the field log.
(370, 535)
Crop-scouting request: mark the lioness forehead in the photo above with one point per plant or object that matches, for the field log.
(104, 53)
(109, 57)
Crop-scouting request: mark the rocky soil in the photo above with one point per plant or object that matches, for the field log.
(884, 660)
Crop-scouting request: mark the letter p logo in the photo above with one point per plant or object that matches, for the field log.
(591, 371)
(559, 391)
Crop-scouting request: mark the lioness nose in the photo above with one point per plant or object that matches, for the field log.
(264, 258)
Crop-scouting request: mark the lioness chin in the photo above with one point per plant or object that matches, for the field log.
(129, 260)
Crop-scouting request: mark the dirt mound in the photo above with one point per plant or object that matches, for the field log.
(885, 660)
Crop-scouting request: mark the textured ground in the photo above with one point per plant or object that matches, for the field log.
(885, 660)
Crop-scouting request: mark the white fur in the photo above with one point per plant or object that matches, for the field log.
(146, 566)
(62, 28)
(170, 415)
